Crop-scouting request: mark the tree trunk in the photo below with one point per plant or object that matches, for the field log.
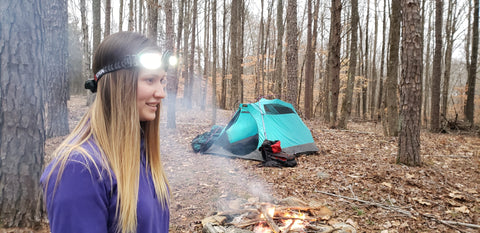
(22, 130)
(277, 77)
(437, 69)
(310, 65)
(223, 100)
(172, 84)
(373, 89)
(108, 17)
(153, 19)
(191, 63)
(235, 33)
(472, 74)
(380, 105)
(449, 36)
(347, 100)
(334, 44)
(55, 20)
(367, 81)
(97, 28)
(131, 12)
(120, 16)
(292, 54)
(214, 62)
(390, 117)
(411, 85)
(186, 65)
(206, 54)
(427, 91)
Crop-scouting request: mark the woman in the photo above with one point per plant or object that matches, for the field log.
(107, 175)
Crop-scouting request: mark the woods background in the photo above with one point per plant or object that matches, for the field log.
(407, 64)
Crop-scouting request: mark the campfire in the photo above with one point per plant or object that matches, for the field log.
(290, 215)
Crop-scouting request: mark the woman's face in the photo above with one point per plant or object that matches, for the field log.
(150, 92)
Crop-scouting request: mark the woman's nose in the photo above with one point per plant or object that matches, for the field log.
(160, 91)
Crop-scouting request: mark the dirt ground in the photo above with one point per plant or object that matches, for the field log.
(354, 175)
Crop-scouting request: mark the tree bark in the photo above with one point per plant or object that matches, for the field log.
(277, 77)
(437, 69)
(450, 29)
(153, 19)
(55, 18)
(223, 100)
(22, 129)
(214, 62)
(347, 101)
(472, 73)
(310, 65)
(292, 54)
(390, 117)
(411, 85)
(334, 45)
(108, 17)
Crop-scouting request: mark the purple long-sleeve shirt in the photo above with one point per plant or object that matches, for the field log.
(85, 199)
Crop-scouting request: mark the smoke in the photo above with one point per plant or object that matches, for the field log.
(216, 179)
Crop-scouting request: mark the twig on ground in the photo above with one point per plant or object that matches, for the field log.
(408, 213)
(393, 208)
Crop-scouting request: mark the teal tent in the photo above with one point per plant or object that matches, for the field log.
(255, 122)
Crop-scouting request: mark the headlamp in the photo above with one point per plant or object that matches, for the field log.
(146, 60)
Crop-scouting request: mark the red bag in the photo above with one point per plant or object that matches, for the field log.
(276, 148)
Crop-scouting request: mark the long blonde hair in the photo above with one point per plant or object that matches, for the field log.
(113, 123)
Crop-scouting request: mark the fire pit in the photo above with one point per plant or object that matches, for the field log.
(289, 215)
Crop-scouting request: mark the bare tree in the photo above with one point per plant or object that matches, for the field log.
(277, 76)
(153, 19)
(472, 74)
(56, 53)
(108, 17)
(347, 101)
(334, 46)
(235, 46)
(191, 63)
(131, 11)
(214, 62)
(310, 65)
(437, 69)
(411, 85)
(120, 16)
(390, 113)
(292, 54)
(223, 100)
(206, 54)
(22, 129)
(427, 78)
(450, 29)
(97, 29)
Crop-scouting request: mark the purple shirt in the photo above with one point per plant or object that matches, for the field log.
(85, 199)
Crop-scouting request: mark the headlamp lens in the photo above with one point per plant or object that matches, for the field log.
(151, 61)
(172, 61)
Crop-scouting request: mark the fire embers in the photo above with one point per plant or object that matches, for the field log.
(288, 215)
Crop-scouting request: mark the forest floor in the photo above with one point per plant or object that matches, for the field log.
(354, 174)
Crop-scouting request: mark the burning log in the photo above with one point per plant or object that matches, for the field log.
(266, 217)
(269, 219)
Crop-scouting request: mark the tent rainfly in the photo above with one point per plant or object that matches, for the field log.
(255, 122)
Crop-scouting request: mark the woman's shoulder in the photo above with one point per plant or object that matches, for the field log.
(82, 158)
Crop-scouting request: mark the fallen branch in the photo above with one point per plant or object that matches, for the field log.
(463, 224)
(409, 214)
(393, 208)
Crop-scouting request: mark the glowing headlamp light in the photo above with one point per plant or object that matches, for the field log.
(147, 60)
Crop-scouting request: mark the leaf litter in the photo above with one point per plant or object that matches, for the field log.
(354, 174)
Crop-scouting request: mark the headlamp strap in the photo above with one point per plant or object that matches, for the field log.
(127, 62)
